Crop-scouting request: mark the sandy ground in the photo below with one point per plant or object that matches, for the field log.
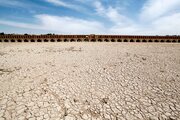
(89, 81)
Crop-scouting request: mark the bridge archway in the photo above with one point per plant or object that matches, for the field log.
(6, 40)
(72, 40)
(26, 40)
(45, 40)
(125, 40)
(93, 40)
(106, 40)
(32, 40)
(65, 40)
(162, 41)
(119, 40)
(86, 40)
(178, 41)
(79, 40)
(112, 40)
(138, 41)
(0, 40)
(52, 40)
(150, 40)
(39, 40)
(131, 40)
(168, 41)
(19, 40)
(174, 41)
(156, 41)
(100, 40)
(144, 41)
(59, 40)
(12, 40)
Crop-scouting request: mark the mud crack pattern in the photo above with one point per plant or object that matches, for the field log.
(89, 81)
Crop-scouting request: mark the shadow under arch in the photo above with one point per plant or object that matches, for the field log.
(12, 40)
(26, 40)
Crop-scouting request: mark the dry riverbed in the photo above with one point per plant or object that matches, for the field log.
(89, 81)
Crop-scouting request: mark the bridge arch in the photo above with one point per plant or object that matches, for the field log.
(174, 41)
(156, 41)
(100, 40)
(6, 40)
(93, 40)
(19, 40)
(119, 40)
(65, 40)
(162, 41)
(45, 40)
(39, 40)
(131, 40)
(138, 40)
(144, 40)
(52, 40)
(32, 40)
(12, 40)
(168, 41)
(150, 40)
(59, 40)
(72, 40)
(106, 40)
(79, 40)
(112, 40)
(86, 40)
(26, 40)
(125, 40)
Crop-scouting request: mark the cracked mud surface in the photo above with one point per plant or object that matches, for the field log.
(89, 81)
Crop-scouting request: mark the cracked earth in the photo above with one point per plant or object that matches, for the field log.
(89, 81)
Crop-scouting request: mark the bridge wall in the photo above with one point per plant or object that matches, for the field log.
(88, 38)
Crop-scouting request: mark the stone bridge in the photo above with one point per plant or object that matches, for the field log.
(87, 38)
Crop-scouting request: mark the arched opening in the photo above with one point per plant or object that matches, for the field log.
(178, 41)
(131, 40)
(6, 40)
(144, 41)
(19, 40)
(0, 40)
(12, 40)
(72, 40)
(39, 40)
(138, 41)
(168, 41)
(86, 40)
(79, 40)
(162, 41)
(93, 40)
(119, 40)
(59, 40)
(156, 41)
(45, 40)
(150, 41)
(174, 41)
(112, 40)
(26, 40)
(99, 40)
(65, 40)
(52, 40)
(106, 40)
(32, 40)
(125, 40)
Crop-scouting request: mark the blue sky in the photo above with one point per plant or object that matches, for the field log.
(136, 17)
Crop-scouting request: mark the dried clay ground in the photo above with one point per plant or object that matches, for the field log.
(89, 81)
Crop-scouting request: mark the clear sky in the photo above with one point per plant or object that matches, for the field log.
(148, 17)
